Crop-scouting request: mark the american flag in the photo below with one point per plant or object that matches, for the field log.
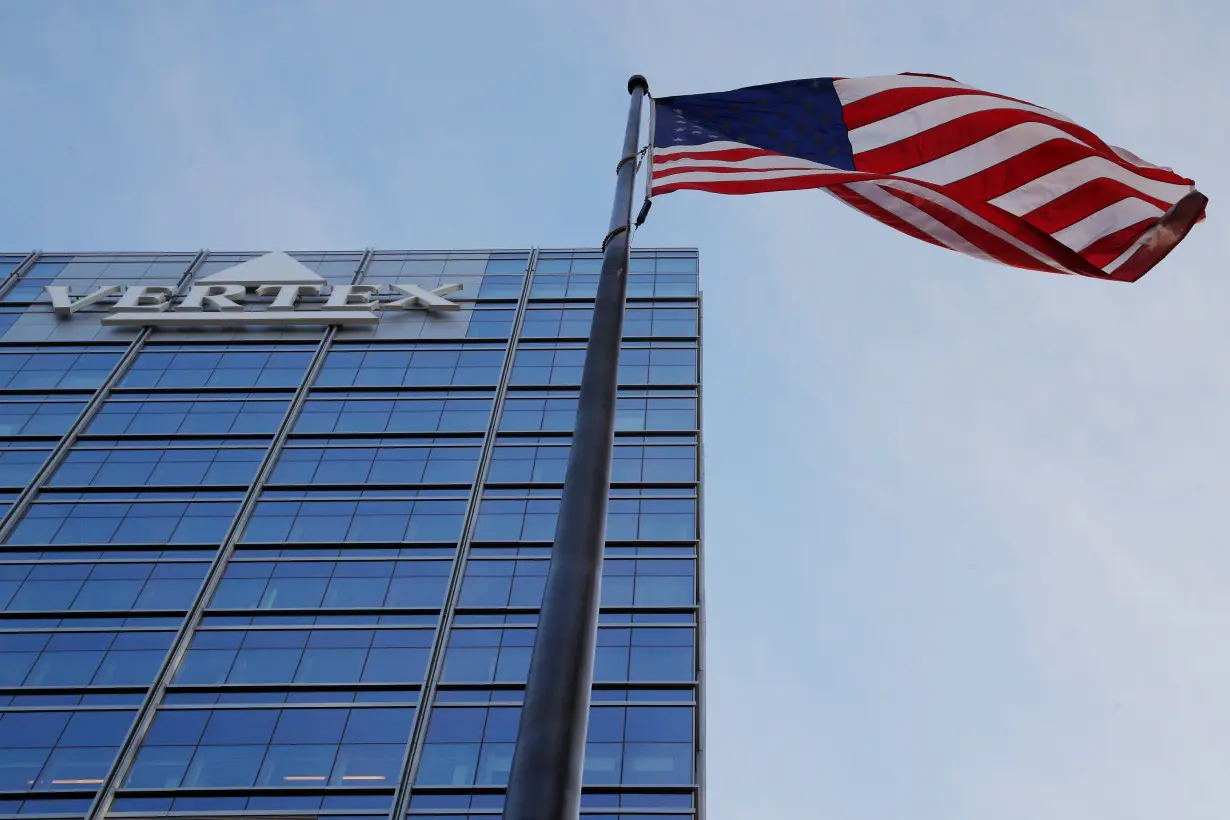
(987, 175)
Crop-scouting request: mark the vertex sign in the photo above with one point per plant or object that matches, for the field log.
(219, 299)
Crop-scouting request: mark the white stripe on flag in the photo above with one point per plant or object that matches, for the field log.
(719, 145)
(1128, 156)
(750, 176)
(923, 117)
(987, 153)
(769, 162)
(856, 88)
(919, 219)
(1127, 254)
(1048, 187)
(974, 219)
(1115, 217)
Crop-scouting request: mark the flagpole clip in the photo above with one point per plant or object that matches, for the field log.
(644, 214)
(612, 234)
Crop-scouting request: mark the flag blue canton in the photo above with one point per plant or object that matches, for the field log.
(799, 118)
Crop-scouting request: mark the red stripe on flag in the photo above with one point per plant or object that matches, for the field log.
(667, 173)
(749, 184)
(962, 132)
(877, 213)
(1023, 168)
(895, 100)
(1022, 231)
(1085, 200)
(985, 241)
(1110, 247)
(950, 137)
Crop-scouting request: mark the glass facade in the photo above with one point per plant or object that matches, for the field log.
(296, 572)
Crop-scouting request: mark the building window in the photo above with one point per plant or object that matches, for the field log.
(490, 583)
(130, 415)
(333, 585)
(639, 745)
(661, 321)
(85, 274)
(406, 413)
(533, 414)
(100, 586)
(354, 520)
(660, 276)
(645, 582)
(566, 276)
(19, 464)
(307, 656)
(498, 275)
(469, 746)
(337, 268)
(59, 750)
(548, 366)
(279, 748)
(8, 264)
(656, 519)
(107, 464)
(573, 322)
(657, 366)
(121, 522)
(635, 745)
(652, 413)
(638, 365)
(411, 365)
(557, 322)
(234, 366)
(82, 658)
(300, 464)
(558, 276)
(517, 520)
(645, 653)
(55, 368)
(631, 463)
(35, 417)
(649, 582)
(488, 655)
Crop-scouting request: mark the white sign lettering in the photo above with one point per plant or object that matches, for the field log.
(221, 298)
(216, 296)
(347, 297)
(288, 295)
(65, 306)
(151, 305)
(151, 298)
(429, 299)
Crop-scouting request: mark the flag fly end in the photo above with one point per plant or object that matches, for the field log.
(1168, 232)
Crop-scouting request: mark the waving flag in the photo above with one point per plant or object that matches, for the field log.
(980, 173)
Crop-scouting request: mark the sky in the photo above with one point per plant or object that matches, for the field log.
(965, 554)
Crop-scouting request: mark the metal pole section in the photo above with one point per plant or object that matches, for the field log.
(545, 781)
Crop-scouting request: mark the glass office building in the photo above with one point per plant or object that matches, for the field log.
(294, 570)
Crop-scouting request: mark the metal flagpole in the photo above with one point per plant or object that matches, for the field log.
(545, 781)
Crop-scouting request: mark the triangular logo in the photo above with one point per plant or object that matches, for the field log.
(274, 268)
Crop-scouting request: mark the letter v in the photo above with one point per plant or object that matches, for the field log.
(65, 306)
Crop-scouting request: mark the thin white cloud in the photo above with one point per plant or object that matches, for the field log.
(964, 522)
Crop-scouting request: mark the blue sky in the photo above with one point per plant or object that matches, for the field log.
(966, 551)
